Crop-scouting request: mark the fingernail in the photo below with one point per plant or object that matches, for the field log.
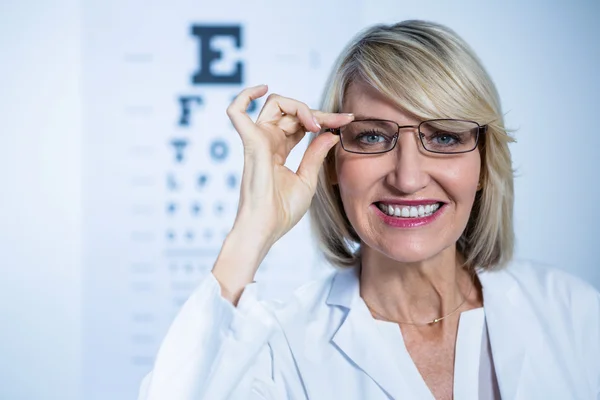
(316, 123)
(349, 114)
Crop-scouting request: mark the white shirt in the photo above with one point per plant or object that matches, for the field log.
(474, 376)
(543, 328)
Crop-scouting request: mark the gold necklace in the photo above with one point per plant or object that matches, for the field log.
(422, 323)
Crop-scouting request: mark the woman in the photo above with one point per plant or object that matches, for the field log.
(414, 205)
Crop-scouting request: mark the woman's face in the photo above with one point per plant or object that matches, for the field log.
(406, 178)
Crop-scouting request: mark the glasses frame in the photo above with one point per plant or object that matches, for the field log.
(481, 129)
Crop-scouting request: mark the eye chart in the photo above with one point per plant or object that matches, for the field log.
(163, 162)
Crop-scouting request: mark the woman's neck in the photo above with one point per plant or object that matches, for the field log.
(416, 292)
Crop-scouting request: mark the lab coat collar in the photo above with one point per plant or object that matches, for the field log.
(345, 288)
(512, 326)
(505, 310)
(359, 339)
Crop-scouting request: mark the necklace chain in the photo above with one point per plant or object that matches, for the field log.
(435, 320)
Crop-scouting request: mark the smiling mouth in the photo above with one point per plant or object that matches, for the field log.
(419, 211)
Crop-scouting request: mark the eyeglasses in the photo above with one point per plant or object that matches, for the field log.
(442, 136)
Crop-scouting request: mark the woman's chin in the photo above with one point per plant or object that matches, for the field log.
(409, 254)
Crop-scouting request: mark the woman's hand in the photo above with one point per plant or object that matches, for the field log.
(272, 197)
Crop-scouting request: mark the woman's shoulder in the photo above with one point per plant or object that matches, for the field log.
(561, 309)
(312, 299)
(552, 296)
(548, 283)
(539, 283)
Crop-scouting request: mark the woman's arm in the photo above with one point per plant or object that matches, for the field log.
(217, 345)
(214, 350)
(272, 197)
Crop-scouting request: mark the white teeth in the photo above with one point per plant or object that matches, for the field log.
(409, 212)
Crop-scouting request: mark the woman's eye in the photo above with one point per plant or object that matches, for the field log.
(371, 138)
(444, 139)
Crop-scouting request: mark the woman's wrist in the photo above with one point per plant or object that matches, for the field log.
(242, 252)
(247, 243)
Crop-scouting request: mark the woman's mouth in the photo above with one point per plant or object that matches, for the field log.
(416, 211)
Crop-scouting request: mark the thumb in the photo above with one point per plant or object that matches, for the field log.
(313, 158)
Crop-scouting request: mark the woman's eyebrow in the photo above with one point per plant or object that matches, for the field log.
(377, 120)
(362, 116)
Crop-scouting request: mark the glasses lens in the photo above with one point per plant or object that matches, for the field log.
(369, 136)
(449, 136)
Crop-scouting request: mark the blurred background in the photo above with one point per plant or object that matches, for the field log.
(119, 171)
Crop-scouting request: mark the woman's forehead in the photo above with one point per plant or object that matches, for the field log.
(366, 102)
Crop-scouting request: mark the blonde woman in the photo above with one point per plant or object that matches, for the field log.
(410, 186)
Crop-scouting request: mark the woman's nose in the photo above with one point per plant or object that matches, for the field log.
(407, 173)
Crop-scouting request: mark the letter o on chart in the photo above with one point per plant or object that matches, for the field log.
(219, 150)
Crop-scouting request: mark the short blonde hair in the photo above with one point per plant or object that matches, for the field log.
(428, 71)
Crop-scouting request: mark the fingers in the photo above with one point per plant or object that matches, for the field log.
(313, 159)
(290, 125)
(332, 120)
(291, 116)
(237, 109)
(294, 131)
(277, 105)
(293, 140)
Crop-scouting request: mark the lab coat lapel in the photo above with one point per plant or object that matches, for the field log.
(505, 314)
(360, 340)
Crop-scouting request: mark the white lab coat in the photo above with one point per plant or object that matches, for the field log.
(543, 324)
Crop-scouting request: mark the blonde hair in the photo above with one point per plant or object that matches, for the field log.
(428, 71)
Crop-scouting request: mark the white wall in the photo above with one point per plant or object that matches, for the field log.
(40, 199)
